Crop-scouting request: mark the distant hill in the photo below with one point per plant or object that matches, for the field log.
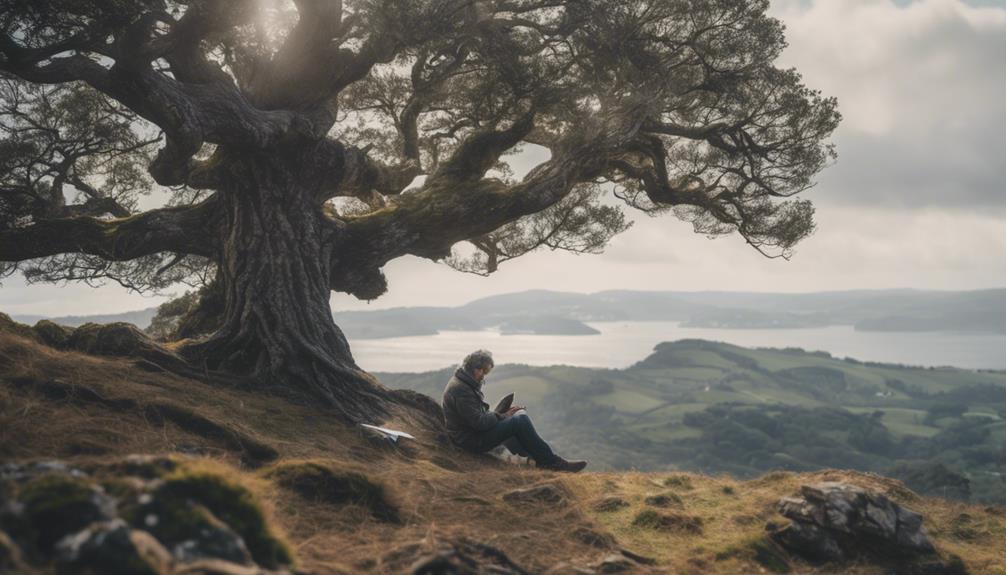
(718, 408)
(982, 311)
(140, 318)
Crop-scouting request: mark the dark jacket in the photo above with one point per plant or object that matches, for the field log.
(465, 411)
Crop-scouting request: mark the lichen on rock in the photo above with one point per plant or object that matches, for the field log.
(837, 522)
(139, 515)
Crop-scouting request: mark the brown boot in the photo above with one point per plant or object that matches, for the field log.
(560, 464)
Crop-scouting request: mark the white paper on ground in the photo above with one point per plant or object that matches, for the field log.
(391, 434)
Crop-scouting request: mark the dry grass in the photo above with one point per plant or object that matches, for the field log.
(100, 409)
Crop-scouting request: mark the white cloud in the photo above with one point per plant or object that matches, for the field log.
(920, 87)
(916, 198)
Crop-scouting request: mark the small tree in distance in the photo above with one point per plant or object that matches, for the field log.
(306, 144)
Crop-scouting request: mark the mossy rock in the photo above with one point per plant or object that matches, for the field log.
(53, 334)
(144, 466)
(674, 522)
(11, 326)
(120, 339)
(112, 548)
(56, 505)
(322, 484)
(186, 496)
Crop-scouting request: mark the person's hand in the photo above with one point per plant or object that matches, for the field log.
(514, 409)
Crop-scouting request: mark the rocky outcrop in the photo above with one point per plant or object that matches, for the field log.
(838, 522)
(142, 515)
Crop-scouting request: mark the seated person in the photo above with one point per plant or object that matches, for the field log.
(472, 426)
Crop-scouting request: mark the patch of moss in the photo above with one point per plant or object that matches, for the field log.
(678, 481)
(145, 466)
(185, 497)
(122, 488)
(55, 505)
(53, 334)
(610, 504)
(664, 500)
(322, 484)
(668, 522)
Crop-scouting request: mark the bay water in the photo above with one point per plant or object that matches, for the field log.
(622, 343)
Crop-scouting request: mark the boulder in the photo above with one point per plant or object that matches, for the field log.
(53, 334)
(52, 505)
(112, 547)
(213, 539)
(123, 340)
(138, 515)
(836, 522)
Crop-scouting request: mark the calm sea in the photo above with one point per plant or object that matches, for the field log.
(620, 344)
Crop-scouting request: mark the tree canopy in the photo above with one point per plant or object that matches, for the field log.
(317, 140)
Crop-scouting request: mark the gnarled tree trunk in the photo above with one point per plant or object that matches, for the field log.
(274, 272)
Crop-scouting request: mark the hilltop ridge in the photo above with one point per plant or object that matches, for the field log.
(408, 502)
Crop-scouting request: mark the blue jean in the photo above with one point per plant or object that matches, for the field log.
(517, 434)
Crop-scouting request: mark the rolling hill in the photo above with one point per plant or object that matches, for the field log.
(718, 408)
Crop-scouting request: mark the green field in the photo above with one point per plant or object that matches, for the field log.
(715, 407)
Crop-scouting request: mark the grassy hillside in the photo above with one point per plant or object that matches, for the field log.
(343, 502)
(719, 408)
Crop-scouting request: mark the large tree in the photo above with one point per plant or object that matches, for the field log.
(305, 144)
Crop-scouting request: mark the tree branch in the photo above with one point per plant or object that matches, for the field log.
(189, 113)
(480, 152)
(185, 230)
(427, 223)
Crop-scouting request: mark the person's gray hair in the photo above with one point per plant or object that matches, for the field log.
(479, 359)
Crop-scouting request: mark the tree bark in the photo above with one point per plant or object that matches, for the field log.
(274, 269)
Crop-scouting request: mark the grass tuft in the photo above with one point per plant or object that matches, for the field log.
(678, 481)
(321, 483)
(675, 522)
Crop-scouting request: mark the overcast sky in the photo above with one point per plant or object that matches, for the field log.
(916, 198)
